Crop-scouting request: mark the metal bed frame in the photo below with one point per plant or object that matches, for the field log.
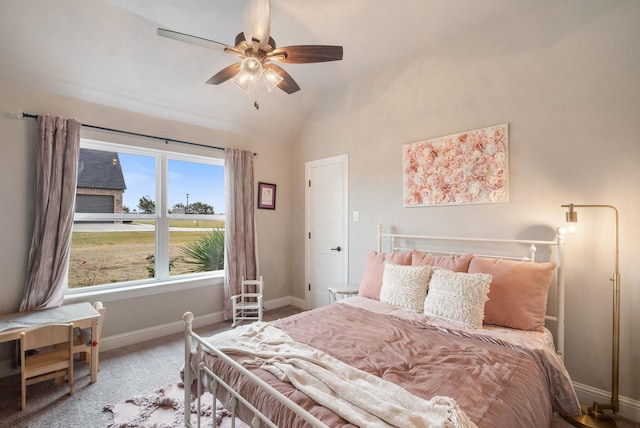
(259, 419)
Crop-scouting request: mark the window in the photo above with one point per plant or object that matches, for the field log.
(145, 216)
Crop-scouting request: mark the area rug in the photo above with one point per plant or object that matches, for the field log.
(163, 408)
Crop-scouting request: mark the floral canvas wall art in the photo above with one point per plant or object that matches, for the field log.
(466, 168)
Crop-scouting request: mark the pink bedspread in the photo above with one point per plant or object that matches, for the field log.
(497, 383)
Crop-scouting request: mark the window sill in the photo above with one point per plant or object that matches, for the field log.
(160, 287)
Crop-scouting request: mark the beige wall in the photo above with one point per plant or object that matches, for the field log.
(18, 186)
(572, 101)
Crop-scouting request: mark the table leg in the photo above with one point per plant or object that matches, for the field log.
(94, 349)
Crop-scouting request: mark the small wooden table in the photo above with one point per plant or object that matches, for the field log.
(82, 315)
(342, 291)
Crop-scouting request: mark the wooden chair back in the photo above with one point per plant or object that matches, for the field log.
(46, 353)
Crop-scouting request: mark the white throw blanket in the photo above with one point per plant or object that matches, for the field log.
(361, 398)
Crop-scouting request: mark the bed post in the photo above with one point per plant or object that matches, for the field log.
(188, 324)
(560, 238)
(379, 238)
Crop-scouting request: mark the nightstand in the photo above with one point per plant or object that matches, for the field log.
(342, 291)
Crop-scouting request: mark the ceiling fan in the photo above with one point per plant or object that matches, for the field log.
(258, 52)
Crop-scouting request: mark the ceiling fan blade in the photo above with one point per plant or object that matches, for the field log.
(288, 84)
(194, 40)
(257, 22)
(225, 74)
(306, 54)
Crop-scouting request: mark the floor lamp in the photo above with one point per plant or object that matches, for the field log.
(594, 416)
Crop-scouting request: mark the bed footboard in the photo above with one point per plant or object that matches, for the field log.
(197, 370)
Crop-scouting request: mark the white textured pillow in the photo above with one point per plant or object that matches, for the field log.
(405, 286)
(458, 297)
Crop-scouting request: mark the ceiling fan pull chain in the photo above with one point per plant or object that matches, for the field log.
(255, 96)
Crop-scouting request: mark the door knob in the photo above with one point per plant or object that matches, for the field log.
(336, 249)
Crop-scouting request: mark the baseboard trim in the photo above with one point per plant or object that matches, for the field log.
(629, 408)
(298, 303)
(133, 337)
(285, 301)
(155, 332)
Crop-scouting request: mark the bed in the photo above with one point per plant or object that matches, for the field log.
(445, 331)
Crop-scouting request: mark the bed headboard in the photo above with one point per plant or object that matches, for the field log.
(510, 249)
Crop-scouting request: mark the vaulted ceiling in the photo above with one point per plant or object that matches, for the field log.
(108, 52)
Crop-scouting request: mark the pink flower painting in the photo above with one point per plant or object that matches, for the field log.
(466, 168)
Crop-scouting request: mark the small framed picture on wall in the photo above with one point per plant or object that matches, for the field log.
(266, 196)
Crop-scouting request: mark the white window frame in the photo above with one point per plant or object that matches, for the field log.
(162, 282)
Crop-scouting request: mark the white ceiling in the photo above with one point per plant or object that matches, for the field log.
(108, 52)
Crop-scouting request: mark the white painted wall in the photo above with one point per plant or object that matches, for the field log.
(570, 91)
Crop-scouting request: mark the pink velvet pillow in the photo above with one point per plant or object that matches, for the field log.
(372, 280)
(518, 292)
(458, 263)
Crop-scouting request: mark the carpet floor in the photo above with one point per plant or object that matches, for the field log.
(124, 373)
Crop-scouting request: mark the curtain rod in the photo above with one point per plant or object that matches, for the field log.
(136, 134)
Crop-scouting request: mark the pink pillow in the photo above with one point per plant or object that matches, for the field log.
(518, 292)
(458, 263)
(372, 280)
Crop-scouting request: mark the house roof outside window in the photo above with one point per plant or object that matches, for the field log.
(99, 169)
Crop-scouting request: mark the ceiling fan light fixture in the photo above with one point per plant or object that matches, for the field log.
(252, 67)
(271, 78)
(242, 81)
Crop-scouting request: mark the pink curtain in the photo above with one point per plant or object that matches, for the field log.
(240, 231)
(56, 169)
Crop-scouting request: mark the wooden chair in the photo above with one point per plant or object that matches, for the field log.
(247, 306)
(50, 363)
(82, 342)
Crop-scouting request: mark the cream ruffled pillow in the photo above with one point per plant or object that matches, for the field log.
(372, 280)
(405, 287)
(458, 297)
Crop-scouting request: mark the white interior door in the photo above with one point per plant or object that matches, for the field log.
(327, 214)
